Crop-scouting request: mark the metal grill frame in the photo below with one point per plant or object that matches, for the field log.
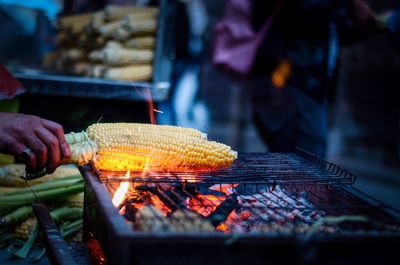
(123, 245)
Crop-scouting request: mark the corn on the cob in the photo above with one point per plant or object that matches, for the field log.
(61, 214)
(123, 128)
(76, 23)
(121, 34)
(130, 73)
(121, 56)
(123, 147)
(113, 12)
(107, 29)
(73, 138)
(141, 43)
(112, 44)
(72, 54)
(23, 230)
(141, 26)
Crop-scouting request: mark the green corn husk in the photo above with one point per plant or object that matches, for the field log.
(16, 216)
(54, 184)
(10, 202)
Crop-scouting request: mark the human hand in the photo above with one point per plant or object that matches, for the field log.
(45, 139)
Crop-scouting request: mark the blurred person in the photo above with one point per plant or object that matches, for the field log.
(393, 23)
(289, 51)
(41, 143)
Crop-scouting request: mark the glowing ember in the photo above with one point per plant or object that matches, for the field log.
(160, 205)
(204, 204)
(120, 193)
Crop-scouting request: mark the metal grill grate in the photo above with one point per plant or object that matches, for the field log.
(260, 193)
(274, 168)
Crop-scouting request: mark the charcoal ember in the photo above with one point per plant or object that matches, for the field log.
(224, 210)
(150, 219)
(130, 212)
(188, 221)
(274, 210)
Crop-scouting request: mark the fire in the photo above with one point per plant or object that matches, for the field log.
(120, 193)
(225, 226)
(205, 204)
(160, 205)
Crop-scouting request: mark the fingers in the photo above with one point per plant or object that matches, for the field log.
(58, 131)
(16, 148)
(38, 148)
(53, 146)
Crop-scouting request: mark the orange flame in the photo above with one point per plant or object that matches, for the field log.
(160, 205)
(205, 204)
(120, 193)
(225, 226)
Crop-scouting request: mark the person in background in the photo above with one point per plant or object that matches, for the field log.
(40, 142)
(393, 24)
(295, 63)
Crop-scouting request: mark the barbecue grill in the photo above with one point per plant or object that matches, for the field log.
(275, 208)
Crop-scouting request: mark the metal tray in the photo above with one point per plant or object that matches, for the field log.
(40, 82)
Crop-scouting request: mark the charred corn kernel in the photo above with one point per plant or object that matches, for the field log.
(25, 228)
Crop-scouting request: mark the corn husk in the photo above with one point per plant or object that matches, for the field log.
(10, 175)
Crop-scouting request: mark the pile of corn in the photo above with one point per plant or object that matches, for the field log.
(16, 195)
(115, 43)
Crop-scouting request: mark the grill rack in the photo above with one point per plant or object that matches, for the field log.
(255, 168)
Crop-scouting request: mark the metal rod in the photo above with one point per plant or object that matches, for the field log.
(57, 250)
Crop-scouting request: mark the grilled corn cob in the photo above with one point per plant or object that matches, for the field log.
(122, 147)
